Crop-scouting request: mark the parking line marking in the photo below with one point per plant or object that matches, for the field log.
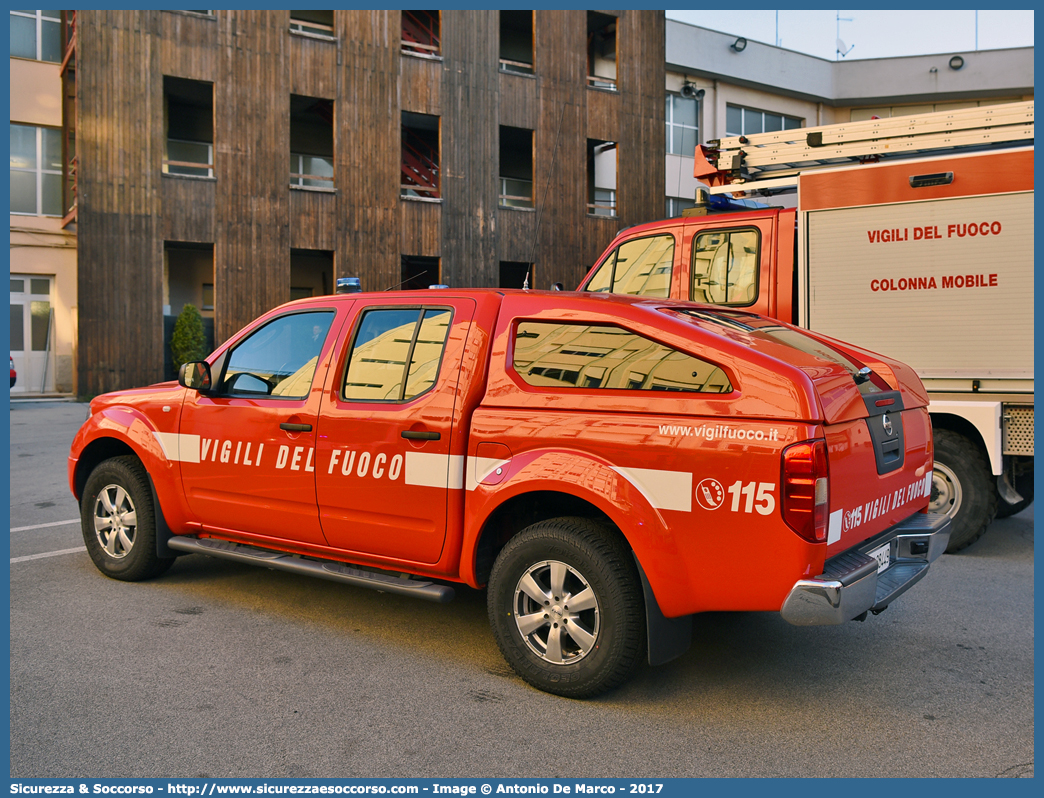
(47, 554)
(44, 526)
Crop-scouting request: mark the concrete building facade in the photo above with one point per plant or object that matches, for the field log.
(43, 310)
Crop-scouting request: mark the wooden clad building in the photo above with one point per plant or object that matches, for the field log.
(238, 159)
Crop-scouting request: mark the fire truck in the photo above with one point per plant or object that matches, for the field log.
(911, 236)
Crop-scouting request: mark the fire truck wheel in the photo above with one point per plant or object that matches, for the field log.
(566, 607)
(118, 521)
(962, 488)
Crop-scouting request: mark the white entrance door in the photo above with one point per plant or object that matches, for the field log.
(32, 333)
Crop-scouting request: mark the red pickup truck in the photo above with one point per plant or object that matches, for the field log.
(608, 466)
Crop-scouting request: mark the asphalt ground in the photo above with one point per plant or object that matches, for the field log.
(224, 670)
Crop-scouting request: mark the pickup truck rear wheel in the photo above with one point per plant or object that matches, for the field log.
(962, 488)
(565, 605)
(119, 522)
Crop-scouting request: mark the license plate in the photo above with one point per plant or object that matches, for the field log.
(883, 556)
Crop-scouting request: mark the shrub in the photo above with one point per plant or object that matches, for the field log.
(189, 342)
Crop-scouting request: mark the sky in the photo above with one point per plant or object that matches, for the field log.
(872, 34)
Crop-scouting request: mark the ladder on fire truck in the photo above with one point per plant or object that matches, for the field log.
(771, 162)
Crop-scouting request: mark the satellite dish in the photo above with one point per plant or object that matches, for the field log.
(843, 49)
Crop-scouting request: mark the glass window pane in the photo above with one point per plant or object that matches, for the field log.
(17, 286)
(40, 287)
(725, 267)
(427, 352)
(51, 204)
(378, 361)
(790, 123)
(23, 192)
(320, 167)
(599, 357)
(670, 148)
(602, 280)
(23, 37)
(773, 122)
(52, 148)
(51, 41)
(280, 358)
(752, 122)
(643, 267)
(733, 120)
(688, 143)
(23, 147)
(39, 321)
(17, 329)
(685, 111)
(191, 151)
(51, 14)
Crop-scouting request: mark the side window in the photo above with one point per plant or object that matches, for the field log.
(280, 358)
(725, 267)
(604, 356)
(396, 354)
(641, 267)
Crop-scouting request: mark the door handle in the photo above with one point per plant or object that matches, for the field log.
(418, 435)
(295, 427)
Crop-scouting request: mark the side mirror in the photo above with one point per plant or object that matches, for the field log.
(195, 375)
(557, 287)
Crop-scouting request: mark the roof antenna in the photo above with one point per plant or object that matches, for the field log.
(393, 287)
(543, 199)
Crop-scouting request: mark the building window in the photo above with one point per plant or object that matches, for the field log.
(740, 121)
(601, 177)
(516, 274)
(208, 297)
(421, 33)
(419, 272)
(36, 35)
(420, 156)
(683, 133)
(312, 23)
(516, 42)
(311, 273)
(311, 142)
(516, 167)
(601, 51)
(675, 206)
(189, 111)
(36, 170)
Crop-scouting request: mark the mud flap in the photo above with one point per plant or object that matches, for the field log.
(668, 638)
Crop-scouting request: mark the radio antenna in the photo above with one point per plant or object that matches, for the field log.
(543, 199)
(393, 287)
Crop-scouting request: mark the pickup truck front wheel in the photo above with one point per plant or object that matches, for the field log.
(119, 522)
(565, 605)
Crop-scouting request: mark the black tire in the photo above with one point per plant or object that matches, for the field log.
(1024, 485)
(607, 639)
(963, 488)
(119, 522)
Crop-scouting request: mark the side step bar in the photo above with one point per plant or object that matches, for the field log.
(324, 569)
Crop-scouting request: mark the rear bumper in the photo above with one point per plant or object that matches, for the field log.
(850, 584)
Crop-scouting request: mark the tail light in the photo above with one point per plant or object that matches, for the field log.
(806, 490)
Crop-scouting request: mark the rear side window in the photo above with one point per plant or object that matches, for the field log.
(725, 267)
(396, 354)
(608, 357)
(641, 267)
